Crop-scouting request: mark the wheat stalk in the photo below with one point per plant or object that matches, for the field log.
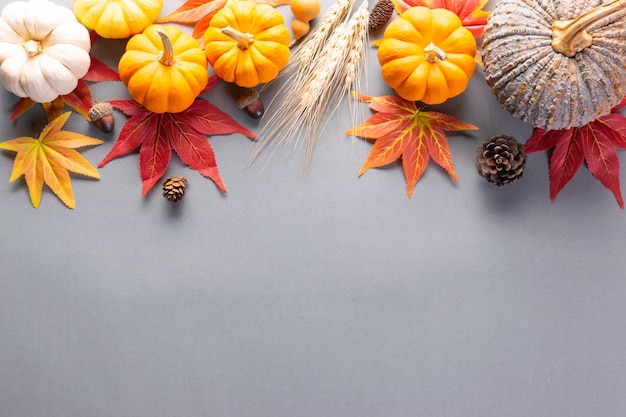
(356, 62)
(314, 43)
(309, 97)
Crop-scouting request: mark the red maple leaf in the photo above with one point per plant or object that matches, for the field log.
(594, 143)
(470, 12)
(402, 131)
(158, 133)
(80, 98)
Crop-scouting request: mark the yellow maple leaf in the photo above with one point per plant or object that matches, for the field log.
(49, 158)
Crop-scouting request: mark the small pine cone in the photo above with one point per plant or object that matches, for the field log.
(501, 160)
(381, 14)
(174, 188)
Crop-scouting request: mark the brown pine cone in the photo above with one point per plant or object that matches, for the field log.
(174, 188)
(501, 160)
(381, 14)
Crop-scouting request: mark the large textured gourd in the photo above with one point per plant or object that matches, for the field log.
(556, 64)
(44, 51)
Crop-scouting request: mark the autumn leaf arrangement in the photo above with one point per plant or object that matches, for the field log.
(45, 57)
(427, 54)
(514, 55)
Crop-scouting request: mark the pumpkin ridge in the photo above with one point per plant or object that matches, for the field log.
(455, 77)
(518, 67)
(515, 95)
(268, 41)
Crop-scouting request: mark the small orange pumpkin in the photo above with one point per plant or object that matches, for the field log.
(115, 19)
(164, 69)
(247, 43)
(427, 55)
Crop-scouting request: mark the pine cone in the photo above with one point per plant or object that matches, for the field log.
(381, 14)
(174, 188)
(501, 160)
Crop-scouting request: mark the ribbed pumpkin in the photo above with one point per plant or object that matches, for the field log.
(556, 64)
(427, 55)
(164, 69)
(44, 51)
(247, 43)
(117, 19)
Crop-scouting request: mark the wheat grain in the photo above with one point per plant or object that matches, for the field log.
(356, 61)
(314, 43)
(310, 96)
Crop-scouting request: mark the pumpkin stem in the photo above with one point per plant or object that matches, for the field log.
(244, 40)
(570, 36)
(167, 56)
(32, 47)
(434, 53)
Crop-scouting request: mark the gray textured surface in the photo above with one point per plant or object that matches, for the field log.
(331, 296)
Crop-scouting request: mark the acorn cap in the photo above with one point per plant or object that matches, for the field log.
(246, 98)
(99, 110)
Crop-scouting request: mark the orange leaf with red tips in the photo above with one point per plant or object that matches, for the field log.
(402, 131)
(594, 143)
(470, 12)
(192, 11)
(158, 134)
(197, 13)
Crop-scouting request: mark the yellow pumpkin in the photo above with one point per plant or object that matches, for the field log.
(247, 43)
(164, 69)
(117, 19)
(427, 55)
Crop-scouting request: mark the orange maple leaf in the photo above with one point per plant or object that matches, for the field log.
(402, 131)
(48, 159)
(470, 12)
(198, 13)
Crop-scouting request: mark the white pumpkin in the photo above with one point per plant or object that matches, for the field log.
(44, 50)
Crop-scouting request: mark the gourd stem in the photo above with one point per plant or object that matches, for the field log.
(244, 40)
(167, 56)
(434, 53)
(570, 36)
(33, 47)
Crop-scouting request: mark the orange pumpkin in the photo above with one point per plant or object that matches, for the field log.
(164, 69)
(115, 19)
(247, 43)
(427, 55)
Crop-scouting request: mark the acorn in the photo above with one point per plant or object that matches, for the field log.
(101, 114)
(249, 101)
